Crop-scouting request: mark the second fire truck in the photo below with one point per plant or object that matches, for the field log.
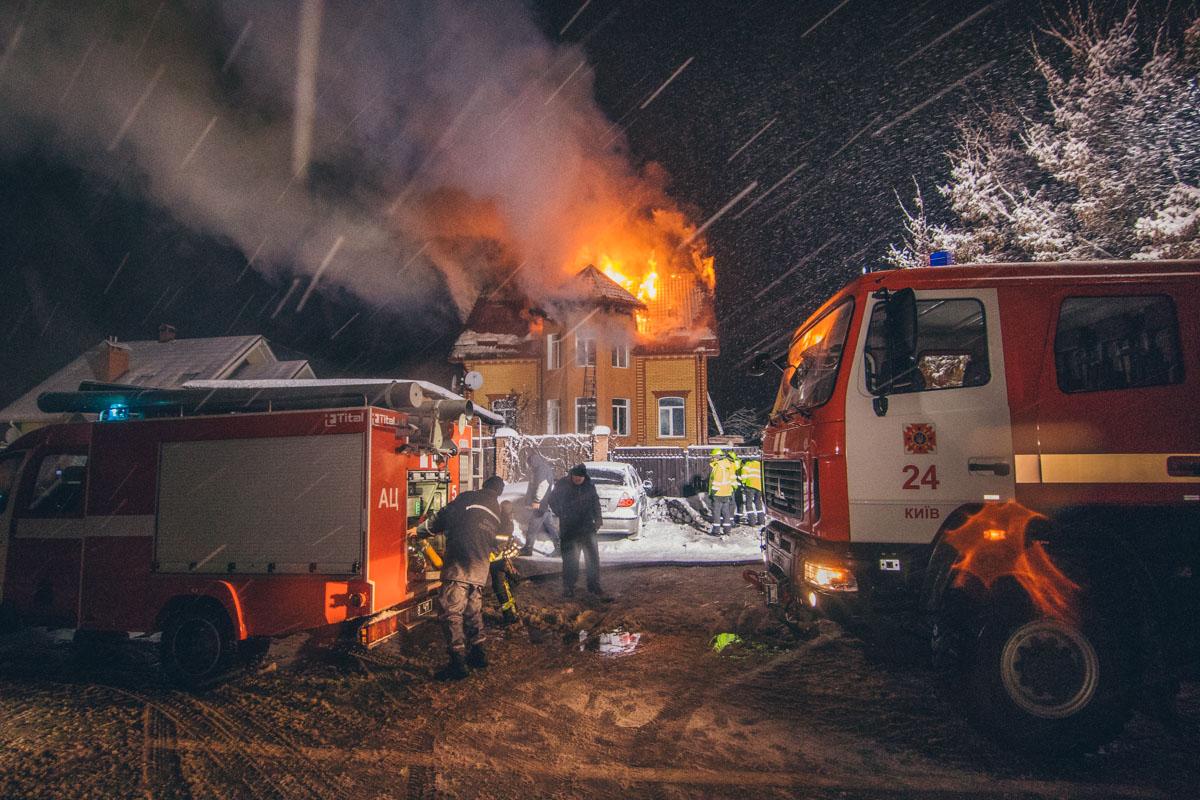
(1010, 455)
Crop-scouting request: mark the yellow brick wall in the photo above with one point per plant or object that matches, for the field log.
(645, 375)
(673, 374)
(615, 382)
(510, 376)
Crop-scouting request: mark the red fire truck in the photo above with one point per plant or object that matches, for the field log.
(1009, 454)
(223, 517)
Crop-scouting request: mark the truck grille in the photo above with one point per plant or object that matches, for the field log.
(783, 486)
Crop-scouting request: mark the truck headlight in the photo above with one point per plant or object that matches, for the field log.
(830, 577)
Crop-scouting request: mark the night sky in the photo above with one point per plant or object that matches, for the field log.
(849, 102)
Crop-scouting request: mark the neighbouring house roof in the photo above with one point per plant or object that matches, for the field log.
(604, 289)
(158, 364)
(271, 370)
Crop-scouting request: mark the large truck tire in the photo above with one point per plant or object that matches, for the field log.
(198, 647)
(1050, 687)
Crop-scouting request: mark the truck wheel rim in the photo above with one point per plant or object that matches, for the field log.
(198, 646)
(1049, 669)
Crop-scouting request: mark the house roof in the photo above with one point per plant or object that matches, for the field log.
(151, 363)
(495, 329)
(603, 288)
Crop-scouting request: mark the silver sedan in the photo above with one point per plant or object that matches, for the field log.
(623, 501)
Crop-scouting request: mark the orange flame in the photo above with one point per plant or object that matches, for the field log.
(655, 255)
(993, 544)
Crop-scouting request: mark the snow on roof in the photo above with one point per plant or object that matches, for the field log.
(151, 363)
(602, 287)
(481, 343)
(270, 369)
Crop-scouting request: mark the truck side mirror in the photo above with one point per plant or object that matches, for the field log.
(902, 323)
(758, 367)
(900, 330)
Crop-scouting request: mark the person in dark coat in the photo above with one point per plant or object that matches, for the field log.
(575, 501)
(540, 521)
(475, 524)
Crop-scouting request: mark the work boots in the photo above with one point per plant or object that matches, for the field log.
(476, 658)
(456, 670)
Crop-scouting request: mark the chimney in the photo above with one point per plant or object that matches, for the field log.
(109, 361)
(166, 333)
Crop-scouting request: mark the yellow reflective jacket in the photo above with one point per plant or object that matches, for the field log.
(750, 473)
(723, 479)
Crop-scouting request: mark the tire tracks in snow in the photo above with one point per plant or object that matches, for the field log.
(162, 770)
(224, 751)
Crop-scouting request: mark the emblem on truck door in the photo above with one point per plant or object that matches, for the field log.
(920, 438)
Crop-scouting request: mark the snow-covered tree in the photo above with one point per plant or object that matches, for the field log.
(1110, 170)
(746, 423)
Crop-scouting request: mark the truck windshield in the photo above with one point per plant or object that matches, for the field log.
(813, 360)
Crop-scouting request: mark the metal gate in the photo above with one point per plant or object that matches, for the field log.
(675, 471)
(665, 467)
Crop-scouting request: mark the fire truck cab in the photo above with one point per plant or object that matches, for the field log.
(223, 517)
(1008, 454)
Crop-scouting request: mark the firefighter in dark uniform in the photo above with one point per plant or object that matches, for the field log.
(472, 523)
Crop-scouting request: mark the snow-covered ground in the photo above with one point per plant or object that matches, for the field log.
(662, 541)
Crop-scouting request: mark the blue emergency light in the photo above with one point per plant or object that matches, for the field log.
(117, 412)
(941, 258)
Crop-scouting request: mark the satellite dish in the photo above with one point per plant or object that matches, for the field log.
(473, 380)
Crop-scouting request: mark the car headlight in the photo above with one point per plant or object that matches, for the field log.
(830, 577)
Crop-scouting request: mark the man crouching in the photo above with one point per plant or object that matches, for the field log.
(472, 523)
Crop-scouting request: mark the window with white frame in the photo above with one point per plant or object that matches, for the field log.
(585, 352)
(620, 417)
(553, 351)
(670, 418)
(620, 355)
(553, 416)
(585, 414)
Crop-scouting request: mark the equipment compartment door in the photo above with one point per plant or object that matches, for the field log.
(946, 438)
(275, 505)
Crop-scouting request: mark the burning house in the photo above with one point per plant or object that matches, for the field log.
(609, 350)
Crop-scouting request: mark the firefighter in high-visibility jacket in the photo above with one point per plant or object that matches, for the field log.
(722, 482)
(750, 477)
(738, 498)
(503, 573)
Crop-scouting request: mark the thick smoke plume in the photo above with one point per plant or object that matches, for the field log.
(398, 150)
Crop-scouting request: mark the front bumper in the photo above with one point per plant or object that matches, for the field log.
(885, 576)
